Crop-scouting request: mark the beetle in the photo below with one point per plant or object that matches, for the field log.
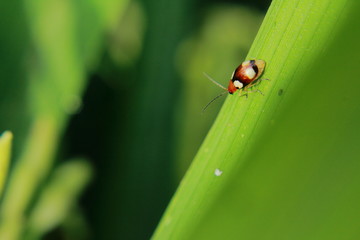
(244, 77)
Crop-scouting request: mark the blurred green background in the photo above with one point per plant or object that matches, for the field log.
(104, 101)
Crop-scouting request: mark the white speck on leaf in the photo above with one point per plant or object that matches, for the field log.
(218, 172)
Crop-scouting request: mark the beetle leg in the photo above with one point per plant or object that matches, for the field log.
(256, 90)
(241, 94)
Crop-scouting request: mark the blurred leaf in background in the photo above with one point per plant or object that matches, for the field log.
(136, 169)
(58, 197)
(13, 84)
(125, 42)
(59, 41)
(5, 152)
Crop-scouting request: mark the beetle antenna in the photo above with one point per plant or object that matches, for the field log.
(215, 82)
(213, 100)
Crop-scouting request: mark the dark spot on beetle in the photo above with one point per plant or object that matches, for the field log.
(280, 92)
(256, 69)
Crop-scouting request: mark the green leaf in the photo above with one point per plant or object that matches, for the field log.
(66, 35)
(5, 151)
(287, 160)
(58, 197)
